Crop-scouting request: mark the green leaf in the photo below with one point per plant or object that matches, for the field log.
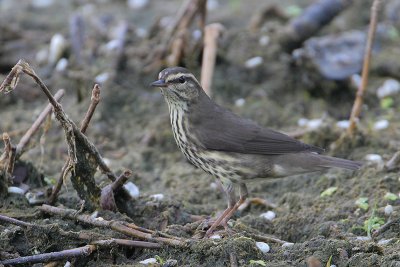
(362, 203)
(387, 102)
(329, 191)
(373, 223)
(160, 260)
(258, 262)
(293, 11)
(328, 264)
(390, 196)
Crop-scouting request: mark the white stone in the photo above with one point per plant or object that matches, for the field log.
(363, 238)
(141, 32)
(383, 242)
(356, 80)
(42, 55)
(113, 45)
(15, 190)
(264, 40)
(314, 124)
(240, 102)
(263, 247)
(58, 44)
(137, 4)
(132, 189)
(212, 4)
(389, 87)
(148, 261)
(67, 264)
(157, 197)
(381, 125)
(215, 236)
(287, 244)
(302, 122)
(376, 158)
(388, 210)
(344, 124)
(102, 77)
(42, 3)
(253, 62)
(196, 34)
(62, 65)
(214, 186)
(269, 215)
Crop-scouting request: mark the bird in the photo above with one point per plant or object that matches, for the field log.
(233, 149)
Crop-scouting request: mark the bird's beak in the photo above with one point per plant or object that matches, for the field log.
(159, 83)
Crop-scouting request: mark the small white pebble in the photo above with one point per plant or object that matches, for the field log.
(42, 3)
(264, 247)
(385, 241)
(157, 197)
(113, 45)
(314, 124)
(212, 4)
(302, 122)
(137, 4)
(376, 158)
(333, 265)
(57, 47)
(344, 124)
(102, 77)
(165, 22)
(381, 125)
(215, 236)
(253, 62)
(356, 80)
(389, 87)
(148, 261)
(62, 65)
(269, 215)
(264, 40)
(363, 238)
(287, 244)
(214, 186)
(94, 214)
(67, 264)
(42, 56)
(132, 189)
(16, 190)
(100, 219)
(240, 102)
(141, 32)
(196, 34)
(388, 210)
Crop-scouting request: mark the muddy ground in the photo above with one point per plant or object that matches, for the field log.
(131, 130)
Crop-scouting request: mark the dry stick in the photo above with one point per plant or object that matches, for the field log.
(211, 34)
(126, 242)
(52, 256)
(121, 180)
(385, 227)
(35, 126)
(116, 226)
(11, 162)
(394, 162)
(356, 110)
(7, 219)
(95, 99)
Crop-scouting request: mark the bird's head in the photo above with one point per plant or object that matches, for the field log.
(178, 85)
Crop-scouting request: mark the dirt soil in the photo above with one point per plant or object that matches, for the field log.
(131, 130)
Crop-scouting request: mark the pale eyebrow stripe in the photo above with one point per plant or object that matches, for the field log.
(174, 76)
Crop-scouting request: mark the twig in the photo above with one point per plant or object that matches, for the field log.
(356, 110)
(126, 242)
(11, 162)
(7, 219)
(121, 180)
(116, 226)
(52, 256)
(107, 199)
(394, 162)
(211, 34)
(35, 126)
(266, 238)
(385, 227)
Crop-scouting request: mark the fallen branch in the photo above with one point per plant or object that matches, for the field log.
(7, 219)
(107, 199)
(114, 225)
(35, 126)
(52, 256)
(356, 110)
(211, 35)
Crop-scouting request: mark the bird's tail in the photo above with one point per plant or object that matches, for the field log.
(327, 161)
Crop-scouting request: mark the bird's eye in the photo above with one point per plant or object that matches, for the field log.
(181, 79)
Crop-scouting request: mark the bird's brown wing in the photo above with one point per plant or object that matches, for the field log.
(220, 129)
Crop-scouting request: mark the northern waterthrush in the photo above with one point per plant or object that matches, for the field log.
(233, 149)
